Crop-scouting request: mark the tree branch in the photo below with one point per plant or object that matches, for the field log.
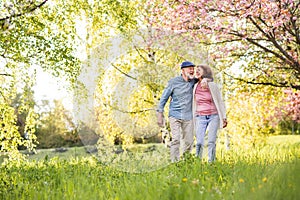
(123, 72)
(282, 85)
(254, 42)
(22, 13)
(272, 39)
(129, 112)
(5, 74)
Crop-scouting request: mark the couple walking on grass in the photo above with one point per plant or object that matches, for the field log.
(196, 101)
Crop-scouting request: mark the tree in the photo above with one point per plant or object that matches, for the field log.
(17, 121)
(32, 33)
(264, 34)
(251, 43)
(35, 37)
(55, 127)
(132, 71)
(287, 115)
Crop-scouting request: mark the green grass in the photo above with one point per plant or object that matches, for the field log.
(73, 152)
(284, 140)
(270, 171)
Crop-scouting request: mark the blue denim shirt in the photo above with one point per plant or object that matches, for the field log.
(181, 93)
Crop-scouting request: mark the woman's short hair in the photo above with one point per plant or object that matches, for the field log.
(207, 71)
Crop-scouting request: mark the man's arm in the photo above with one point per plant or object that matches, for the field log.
(162, 102)
(165, 97)
(204, 81)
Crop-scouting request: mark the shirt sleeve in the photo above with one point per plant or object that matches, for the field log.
(165, 96)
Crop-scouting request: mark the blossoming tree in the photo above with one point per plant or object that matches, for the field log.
(264, 34)
(260, 38)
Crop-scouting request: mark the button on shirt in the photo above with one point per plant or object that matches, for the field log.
(181, 93)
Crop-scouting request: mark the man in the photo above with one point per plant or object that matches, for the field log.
(180, 89)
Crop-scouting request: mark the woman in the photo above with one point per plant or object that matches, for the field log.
(209, 112)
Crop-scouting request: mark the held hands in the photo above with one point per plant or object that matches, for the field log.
(160, 119)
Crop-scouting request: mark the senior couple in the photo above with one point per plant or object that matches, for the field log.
(196, 101)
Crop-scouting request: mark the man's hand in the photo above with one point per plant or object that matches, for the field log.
(204, 82)
(160, 119)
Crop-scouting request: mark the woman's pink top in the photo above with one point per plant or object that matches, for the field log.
(204, 102)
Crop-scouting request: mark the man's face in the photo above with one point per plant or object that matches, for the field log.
(188, 72)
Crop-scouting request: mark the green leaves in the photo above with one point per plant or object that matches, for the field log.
(10, 138)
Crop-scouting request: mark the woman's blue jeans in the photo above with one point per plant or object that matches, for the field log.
(209, 123)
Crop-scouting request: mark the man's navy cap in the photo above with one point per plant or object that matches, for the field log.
(187, 64)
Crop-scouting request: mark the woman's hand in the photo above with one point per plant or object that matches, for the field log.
(224, 123)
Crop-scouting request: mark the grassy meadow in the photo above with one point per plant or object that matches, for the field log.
(269, 170)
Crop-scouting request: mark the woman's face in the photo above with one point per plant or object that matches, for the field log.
(199, 72)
